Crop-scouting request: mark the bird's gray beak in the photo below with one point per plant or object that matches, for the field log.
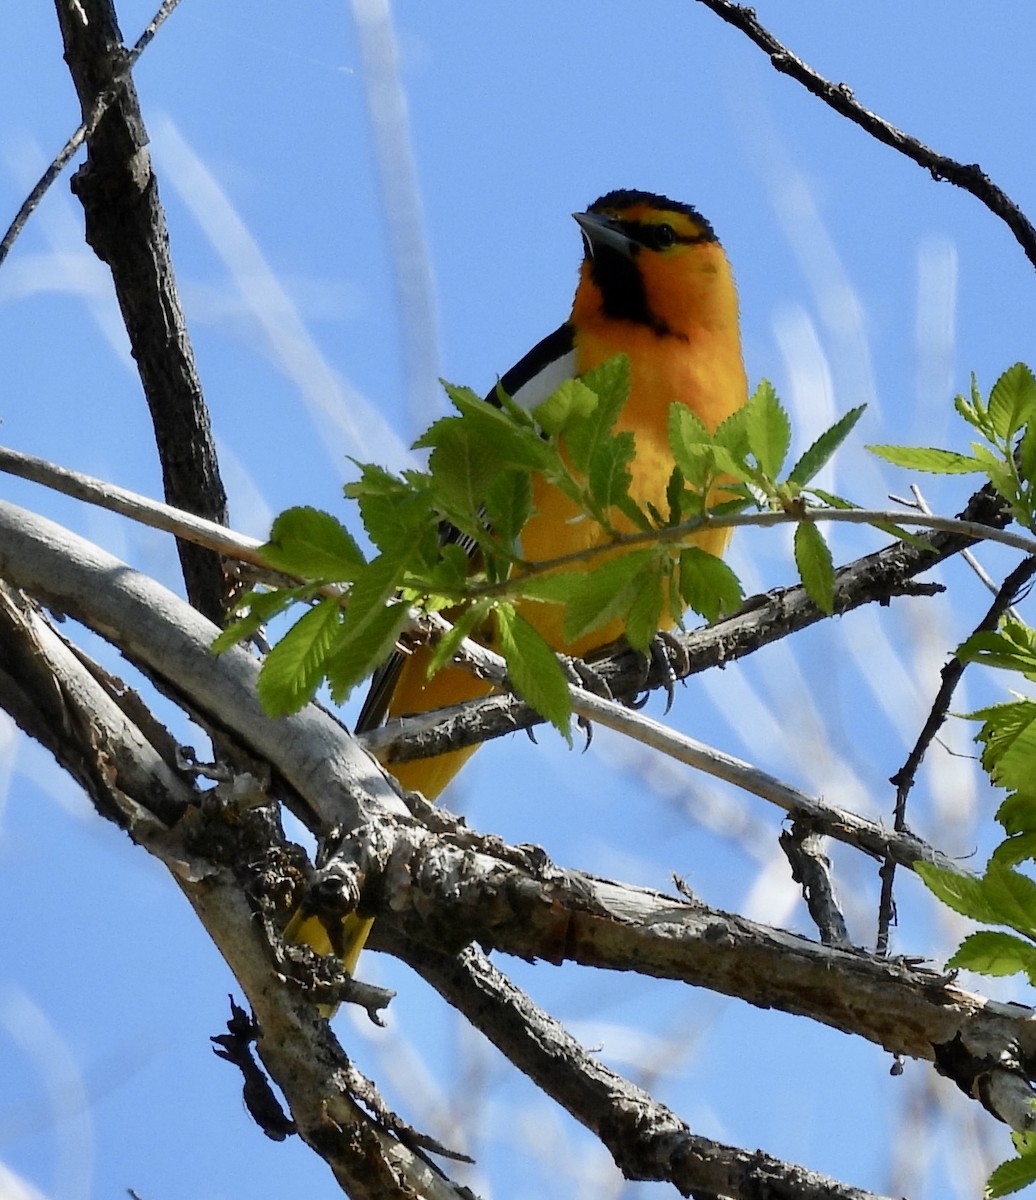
(600, 232)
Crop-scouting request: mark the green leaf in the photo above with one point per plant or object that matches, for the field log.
(398, 514)
(585, 438)
(645, 611)
(509, 431)
(534, 669)
(1012, 896)
(990, 952)
(360, 651)
(1011, 1176)
(508, 504)
(295, 667)
(312, 544)
(1027, 455)
(816, 568)
(1012, 402)
(257, 607)
(919, 458)
(817, 456)
(592, 596)
(1017, 814)
(462, 468)
(610, 380)
(686, 430)
(1021, 847)
(768, 430)
(963, 893)
(609, 477)
(1008, 736)
(708, 585)
(570, 402)
(462, 627)
(1011, 648)
(732, 435)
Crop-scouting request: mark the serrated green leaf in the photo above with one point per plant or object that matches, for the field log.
(533, 669)
(570, 402)
(830, 499)
(312, 544)
(462, 468)
(1027, 456)
(359, 652)
(768, 430)
(295, 667)
(708, 585)
(463, 626)
(1008, 737)
(645, 610)
(1011, 1176)
(508, 505)
(521, 416)
(610, 380)
(815, 565)
(920, 458)
(818, 455)
(258, 607)
(1004, 649)
(584, 437)
(965, 894)
(674, 497)
(397, 514)
(1012, 402)
(1024, 1142)
(1012, 897)
(508, 431)
(608, 476)
(732, 435)
(1014, 850)
(1017, 814)
(691, 446)
(449, 575)
(968, 411)
(592, 597)
(701, 464)
(990, 952)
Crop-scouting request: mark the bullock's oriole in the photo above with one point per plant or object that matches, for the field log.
(655, 285)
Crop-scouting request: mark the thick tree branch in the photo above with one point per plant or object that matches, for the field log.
(645, 1138)
(226, 852)
(338, 786)
(126, 228)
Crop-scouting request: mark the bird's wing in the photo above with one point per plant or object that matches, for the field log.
(529, 382)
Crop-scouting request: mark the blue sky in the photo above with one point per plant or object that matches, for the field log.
(360, 201)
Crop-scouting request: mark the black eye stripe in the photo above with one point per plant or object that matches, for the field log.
(646, 233)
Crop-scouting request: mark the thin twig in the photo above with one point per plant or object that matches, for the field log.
(142, 509)
(839, 96)
(100, 107)
(903, 780)
(163, 516)
(921, 504)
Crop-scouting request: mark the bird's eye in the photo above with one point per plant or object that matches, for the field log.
(664, 236)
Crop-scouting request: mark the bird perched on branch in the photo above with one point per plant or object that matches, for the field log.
(655, 284)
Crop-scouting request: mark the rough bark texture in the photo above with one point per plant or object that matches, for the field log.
(125, 226)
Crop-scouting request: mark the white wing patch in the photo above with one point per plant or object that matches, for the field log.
(545, 381)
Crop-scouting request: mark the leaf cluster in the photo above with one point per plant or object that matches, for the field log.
(448, 539)
(1005, 894)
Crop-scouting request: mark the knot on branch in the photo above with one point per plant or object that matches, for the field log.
(996, 1079)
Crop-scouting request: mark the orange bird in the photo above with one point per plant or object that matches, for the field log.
(655, 284)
